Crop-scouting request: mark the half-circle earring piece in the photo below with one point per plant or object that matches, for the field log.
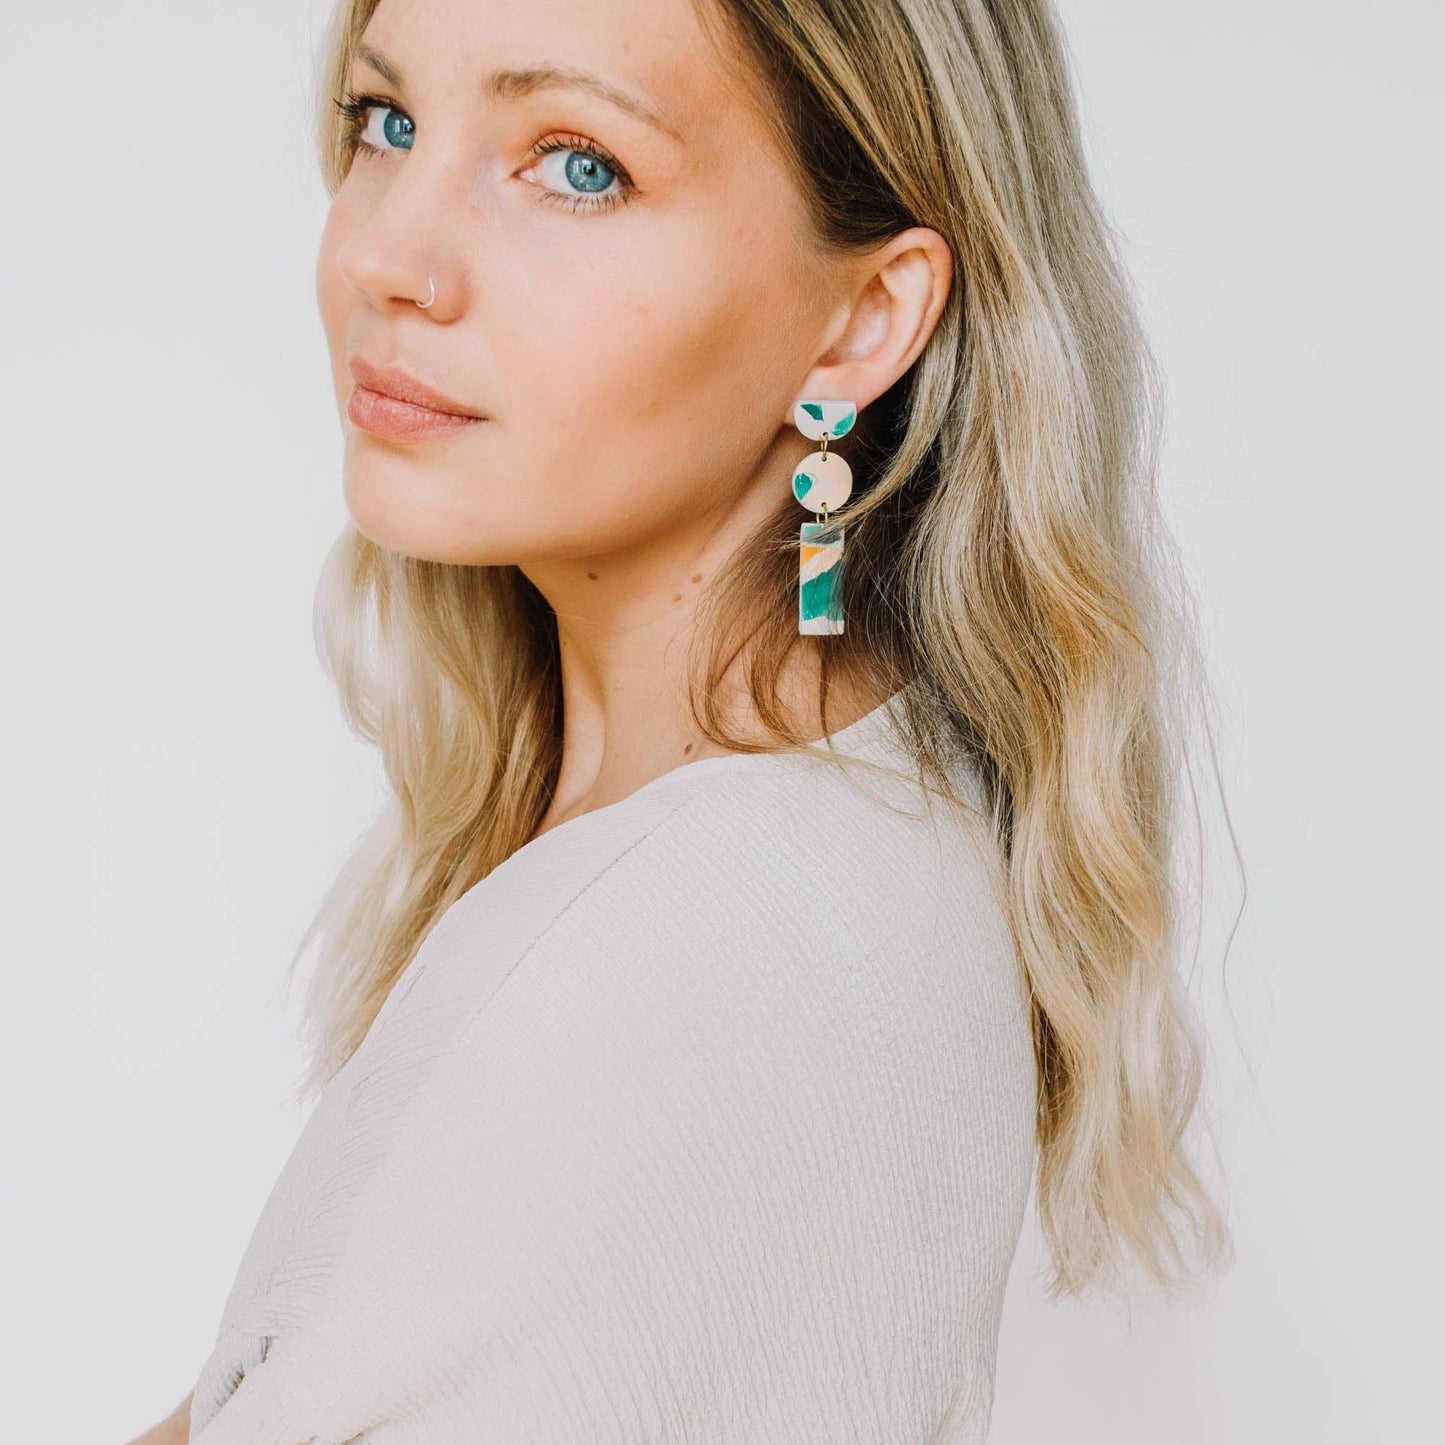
(424, 304)
(822, 482)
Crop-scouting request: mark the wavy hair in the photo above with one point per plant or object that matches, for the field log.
(1007, 560)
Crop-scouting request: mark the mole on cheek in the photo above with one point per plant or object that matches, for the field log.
(592, 576)
(677, 596)
(697, 576)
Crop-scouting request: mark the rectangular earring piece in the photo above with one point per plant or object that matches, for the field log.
(820, 582)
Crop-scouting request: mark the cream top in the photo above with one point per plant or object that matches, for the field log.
(708, 1117)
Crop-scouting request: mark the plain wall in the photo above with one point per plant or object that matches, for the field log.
(180, 787)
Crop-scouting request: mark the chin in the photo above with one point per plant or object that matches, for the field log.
(387, 513)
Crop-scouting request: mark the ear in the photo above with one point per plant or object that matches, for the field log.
(892, 301)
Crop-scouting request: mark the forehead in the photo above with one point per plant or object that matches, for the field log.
(674, 56)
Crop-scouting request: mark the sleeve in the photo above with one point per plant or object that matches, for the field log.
(719, 1163)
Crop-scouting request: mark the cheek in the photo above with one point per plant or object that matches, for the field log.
(658, 369)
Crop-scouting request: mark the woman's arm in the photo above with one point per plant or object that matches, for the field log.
(175, 1429)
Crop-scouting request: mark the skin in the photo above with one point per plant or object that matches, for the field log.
(173, 1430)
(637, 363)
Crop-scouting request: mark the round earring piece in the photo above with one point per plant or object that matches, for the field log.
(823, 483)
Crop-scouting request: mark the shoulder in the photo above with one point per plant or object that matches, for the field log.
(787, 879)
(777, 885)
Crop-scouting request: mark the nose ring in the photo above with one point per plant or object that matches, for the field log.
(424, 304)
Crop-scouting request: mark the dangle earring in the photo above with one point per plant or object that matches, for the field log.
(822, 483)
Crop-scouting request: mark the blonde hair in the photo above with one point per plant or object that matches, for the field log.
(1006, 561)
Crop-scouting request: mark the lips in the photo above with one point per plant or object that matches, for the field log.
(392, 381)
(403, 421)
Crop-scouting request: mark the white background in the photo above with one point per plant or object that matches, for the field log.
(176, 768)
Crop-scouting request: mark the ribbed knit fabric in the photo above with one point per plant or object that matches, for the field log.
(705, 1119)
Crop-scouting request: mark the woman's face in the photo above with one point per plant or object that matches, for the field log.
(632, 305)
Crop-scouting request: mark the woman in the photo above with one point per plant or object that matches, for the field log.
(747, 924)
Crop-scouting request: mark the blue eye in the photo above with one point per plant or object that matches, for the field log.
(396, 131)
(590, 169)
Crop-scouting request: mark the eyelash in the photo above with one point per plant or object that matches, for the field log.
(354, 108)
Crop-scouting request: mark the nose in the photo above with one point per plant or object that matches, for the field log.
(401, 252)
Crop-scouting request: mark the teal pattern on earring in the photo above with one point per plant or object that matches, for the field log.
(814, 418)
(820, 581)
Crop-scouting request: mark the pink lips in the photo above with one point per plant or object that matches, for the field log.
(392, 404)
(401, 421)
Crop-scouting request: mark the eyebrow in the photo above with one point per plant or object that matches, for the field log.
(513, 84)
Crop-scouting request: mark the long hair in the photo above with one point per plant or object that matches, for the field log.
(1007, 562)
